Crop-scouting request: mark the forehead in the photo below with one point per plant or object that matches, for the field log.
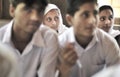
(90, 6)
(20, 6)
(33, 6)
(105, 12)
(53, 12)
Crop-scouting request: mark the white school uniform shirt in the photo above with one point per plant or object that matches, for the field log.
(102, 50)
(113, 71)
(39, 56)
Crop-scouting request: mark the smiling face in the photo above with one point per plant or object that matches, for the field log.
(51, 19)
(84, 21)
(26, 19)
(106, 20)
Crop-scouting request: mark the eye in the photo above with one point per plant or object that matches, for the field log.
(111, 17)
(49, 19)
(56, 18)
(85, 15)
(102, 18)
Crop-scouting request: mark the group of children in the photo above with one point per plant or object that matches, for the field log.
(40, 45)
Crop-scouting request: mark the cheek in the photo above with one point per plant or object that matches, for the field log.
(49, 24)
(101, 23)
(76, 22)
(19, 20)
(57, 22)
(46, 23)
(112, 22)
(78, 27)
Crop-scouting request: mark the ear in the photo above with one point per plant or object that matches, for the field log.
(11, 10)
(69, 19)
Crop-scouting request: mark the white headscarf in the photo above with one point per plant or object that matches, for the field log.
(113, 32)
(61, 27)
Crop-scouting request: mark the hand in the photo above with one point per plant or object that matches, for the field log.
(67, 59)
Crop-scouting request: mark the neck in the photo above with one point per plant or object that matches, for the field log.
(83, 41)
(21, 36)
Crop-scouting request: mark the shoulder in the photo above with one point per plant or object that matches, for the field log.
(106, 40)
(3, 30)
(103, 36)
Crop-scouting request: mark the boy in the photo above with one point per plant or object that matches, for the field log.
(86, 49)
(36, 47)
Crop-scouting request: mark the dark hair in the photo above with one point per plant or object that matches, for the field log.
(73, 5)
(29, 2)
(104, 7)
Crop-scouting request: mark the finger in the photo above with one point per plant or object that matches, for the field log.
(69, 46)
(69, 54)
(72, 59)
(68, 49)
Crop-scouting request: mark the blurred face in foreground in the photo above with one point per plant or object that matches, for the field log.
(27, 19)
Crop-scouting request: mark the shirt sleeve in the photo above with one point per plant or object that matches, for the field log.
(49, 60)
(112, 53)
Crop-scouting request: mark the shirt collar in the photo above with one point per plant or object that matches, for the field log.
(93, 41)
(7, 35)
(71, 38)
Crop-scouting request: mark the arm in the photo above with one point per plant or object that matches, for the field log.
(112, 54)
(48, 63)
(67, 60)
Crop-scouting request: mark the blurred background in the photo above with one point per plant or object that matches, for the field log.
(5, 17)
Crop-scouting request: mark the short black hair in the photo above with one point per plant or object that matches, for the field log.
(29, 2)
(73, 5)
(105, 7)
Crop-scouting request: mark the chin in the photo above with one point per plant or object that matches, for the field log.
(32, 31)
(90, 34)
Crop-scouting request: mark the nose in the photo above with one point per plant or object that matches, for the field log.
(92, 20)
(54, 22)
(107, 21)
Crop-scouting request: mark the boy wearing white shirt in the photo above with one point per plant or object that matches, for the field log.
(36, 47)
(86, 49)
